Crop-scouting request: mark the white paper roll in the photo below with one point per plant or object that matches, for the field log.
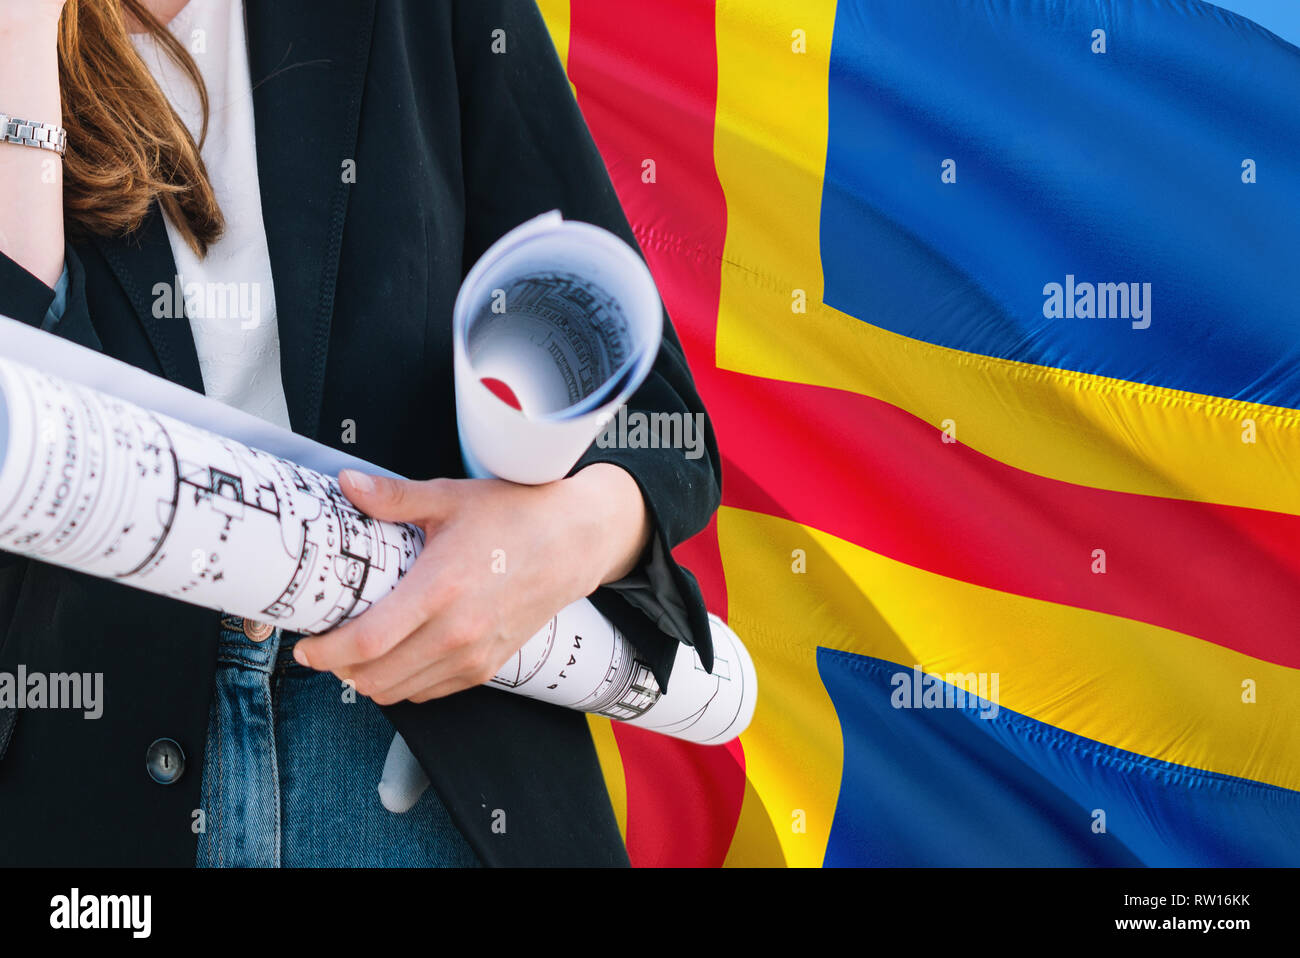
(119, 474)
(97, 484)
(567, 316)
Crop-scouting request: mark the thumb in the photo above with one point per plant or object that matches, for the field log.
(396, 500)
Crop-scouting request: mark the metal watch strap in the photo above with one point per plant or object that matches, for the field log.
(26, 133)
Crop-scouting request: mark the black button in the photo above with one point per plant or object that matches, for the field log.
(165, 761)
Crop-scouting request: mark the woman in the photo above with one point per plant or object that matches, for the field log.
(356, 158)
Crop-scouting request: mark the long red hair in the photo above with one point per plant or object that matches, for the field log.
(126, 145)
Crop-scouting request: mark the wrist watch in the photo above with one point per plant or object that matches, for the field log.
(26, 133)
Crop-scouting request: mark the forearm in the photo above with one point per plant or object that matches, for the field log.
(31, 180)
(609, 506)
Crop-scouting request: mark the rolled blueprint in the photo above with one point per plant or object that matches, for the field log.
(103, 486)
(564, 320)
(106, 487)
(110, 471)
(566, 316)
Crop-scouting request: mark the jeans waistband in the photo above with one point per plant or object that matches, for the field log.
(242, 643)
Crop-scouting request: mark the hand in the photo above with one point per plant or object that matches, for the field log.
(500, 560)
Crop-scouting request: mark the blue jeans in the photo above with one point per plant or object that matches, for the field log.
(292, 762)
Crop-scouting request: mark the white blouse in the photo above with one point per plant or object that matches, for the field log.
(229, 296)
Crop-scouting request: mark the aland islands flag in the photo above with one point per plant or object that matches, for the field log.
(996, 307)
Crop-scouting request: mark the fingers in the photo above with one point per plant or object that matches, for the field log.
(435, 653)
(398, 500)
(449, 624)
(463, 667)
(415, 600)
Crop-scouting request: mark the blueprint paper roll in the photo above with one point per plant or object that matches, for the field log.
(577, 331)
(581, 661)
(116, 473)
(100, 485)
(104, 486)
(567, 317)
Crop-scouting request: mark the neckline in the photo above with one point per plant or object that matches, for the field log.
(182, 17)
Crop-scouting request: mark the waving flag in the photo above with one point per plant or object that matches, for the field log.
(994, 304)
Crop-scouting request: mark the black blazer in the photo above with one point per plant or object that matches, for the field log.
(453, 145)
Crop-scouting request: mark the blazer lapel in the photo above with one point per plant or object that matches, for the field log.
(140, 262)
(308, 62)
